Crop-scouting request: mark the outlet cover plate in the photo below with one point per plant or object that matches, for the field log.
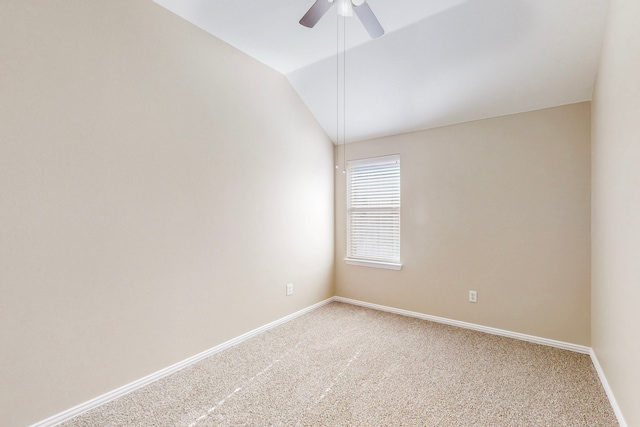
(473, 296)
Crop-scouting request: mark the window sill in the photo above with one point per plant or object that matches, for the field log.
(374, 264)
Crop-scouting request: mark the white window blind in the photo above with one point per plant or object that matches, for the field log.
(373, 209)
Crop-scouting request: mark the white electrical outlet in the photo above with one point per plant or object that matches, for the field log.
(473, 296)
(289, 289)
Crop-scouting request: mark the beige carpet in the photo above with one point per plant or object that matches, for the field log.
(343, 365)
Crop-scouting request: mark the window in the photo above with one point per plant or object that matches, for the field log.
(373, 212)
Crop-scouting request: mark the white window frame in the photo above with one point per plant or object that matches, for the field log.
(392, 264)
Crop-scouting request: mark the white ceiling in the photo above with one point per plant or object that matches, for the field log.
(440, 61)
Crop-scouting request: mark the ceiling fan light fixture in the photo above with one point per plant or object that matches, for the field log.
(345, 8)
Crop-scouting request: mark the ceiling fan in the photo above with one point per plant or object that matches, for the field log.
(345, 8)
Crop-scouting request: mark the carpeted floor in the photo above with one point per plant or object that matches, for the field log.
(343, 365)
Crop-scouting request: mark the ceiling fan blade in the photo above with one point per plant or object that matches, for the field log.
(369, 20)
(317, 11)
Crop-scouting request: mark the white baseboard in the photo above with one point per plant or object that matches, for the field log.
(524, 337)
(101, 400)
(607, 389)
(509, 334)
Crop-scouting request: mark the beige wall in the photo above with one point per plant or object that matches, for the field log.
(500, 206)
(616, 208)
(158, 189)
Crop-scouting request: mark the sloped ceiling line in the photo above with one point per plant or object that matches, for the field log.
(440, 62)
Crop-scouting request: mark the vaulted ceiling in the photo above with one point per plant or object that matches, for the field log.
(440, 62)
